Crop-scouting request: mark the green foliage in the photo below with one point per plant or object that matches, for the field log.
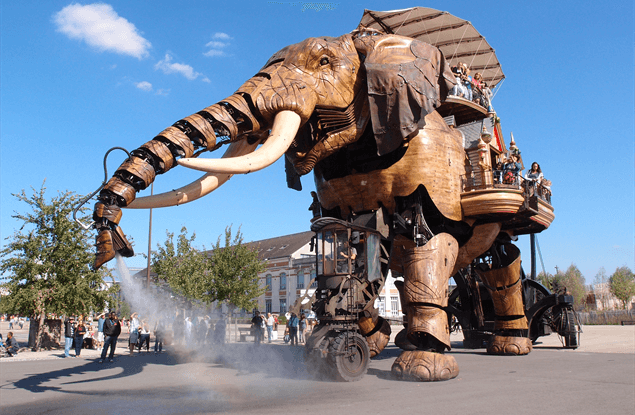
(570, 282)
(48, 261)
(185, 269)
(622, 285)
(227, 274)
(236, 268)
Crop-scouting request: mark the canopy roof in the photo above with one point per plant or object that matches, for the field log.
(457, 39)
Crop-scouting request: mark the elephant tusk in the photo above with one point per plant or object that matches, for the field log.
(198, 188)
(285, 127)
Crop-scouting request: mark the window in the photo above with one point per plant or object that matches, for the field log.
(314, 283)
(267, 306)
(283, 281)
(300, 279)
(268, 282)
(283, 305)
(381, 306)
(394, 306)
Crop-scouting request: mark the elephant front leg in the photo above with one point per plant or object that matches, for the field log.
(426, 273)
(505, 287)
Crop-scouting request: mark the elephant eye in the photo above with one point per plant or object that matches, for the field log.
(324, 61)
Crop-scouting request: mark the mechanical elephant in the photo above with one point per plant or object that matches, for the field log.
(360, 111)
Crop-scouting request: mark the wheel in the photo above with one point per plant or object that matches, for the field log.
(349, 355)
(569, 329)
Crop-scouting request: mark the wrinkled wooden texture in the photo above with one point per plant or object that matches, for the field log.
(507, 295)
(507, 345)
(422, 366)
(434, 158)
(426, 273)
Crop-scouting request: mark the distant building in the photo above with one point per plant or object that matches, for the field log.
(290, 273)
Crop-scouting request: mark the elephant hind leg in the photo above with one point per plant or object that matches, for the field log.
(426, 273)
(505, 287)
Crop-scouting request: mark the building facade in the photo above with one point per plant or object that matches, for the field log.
(290, 274)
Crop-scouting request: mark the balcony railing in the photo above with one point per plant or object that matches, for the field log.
(497, 179)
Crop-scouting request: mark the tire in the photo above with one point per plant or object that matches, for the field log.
(569, 329)
(349, 358)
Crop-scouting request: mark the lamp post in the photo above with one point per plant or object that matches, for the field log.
(149, 242)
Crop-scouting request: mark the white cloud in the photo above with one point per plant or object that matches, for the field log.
(164, 92)
(144, 86)
(216, 46)
(102, 28)
(214, 52)
(168, 67)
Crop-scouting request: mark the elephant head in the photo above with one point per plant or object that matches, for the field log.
(310, 100)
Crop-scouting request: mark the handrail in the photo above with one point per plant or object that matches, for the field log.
(494, 179)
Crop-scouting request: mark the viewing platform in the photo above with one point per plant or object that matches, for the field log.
(524, 205)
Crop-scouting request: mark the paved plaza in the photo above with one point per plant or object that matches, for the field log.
(599, 377)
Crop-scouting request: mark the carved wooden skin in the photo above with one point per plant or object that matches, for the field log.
(434, 158)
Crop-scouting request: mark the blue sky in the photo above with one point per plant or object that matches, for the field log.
(70, 90)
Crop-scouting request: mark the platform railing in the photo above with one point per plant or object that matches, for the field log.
(500, 179)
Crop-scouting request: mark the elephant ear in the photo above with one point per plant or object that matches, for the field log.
(407, 79)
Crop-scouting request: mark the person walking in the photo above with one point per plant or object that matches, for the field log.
(302, 328)
(293, 329)
(144, 336)
(256, 327)
(159, 331)
(100, 330)
(134, 332)
(112, 330)
(80, 331)
(270, 322)
(69, 335)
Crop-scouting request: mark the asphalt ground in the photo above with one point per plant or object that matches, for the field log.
(597, 378)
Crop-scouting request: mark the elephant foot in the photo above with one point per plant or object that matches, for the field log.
(379, 339)
(108, 243)
(422, 366)
(507, 345)
(401, 341)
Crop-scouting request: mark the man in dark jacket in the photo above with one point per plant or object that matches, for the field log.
(112, 330)
(11, 345)
(256, 326)
(69, 334)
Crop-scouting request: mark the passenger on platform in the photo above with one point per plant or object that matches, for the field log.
(498, 172)
(534, 174)
(534, 178)
(458, 89)
(487, 97)
(512, 170)
(467, 82)
(477, 88)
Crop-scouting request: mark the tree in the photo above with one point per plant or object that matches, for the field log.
(570, 282)
(185, 269)
(225, 274)
(48, 263)
(601, 287)
(622, 285)
(236, 268)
